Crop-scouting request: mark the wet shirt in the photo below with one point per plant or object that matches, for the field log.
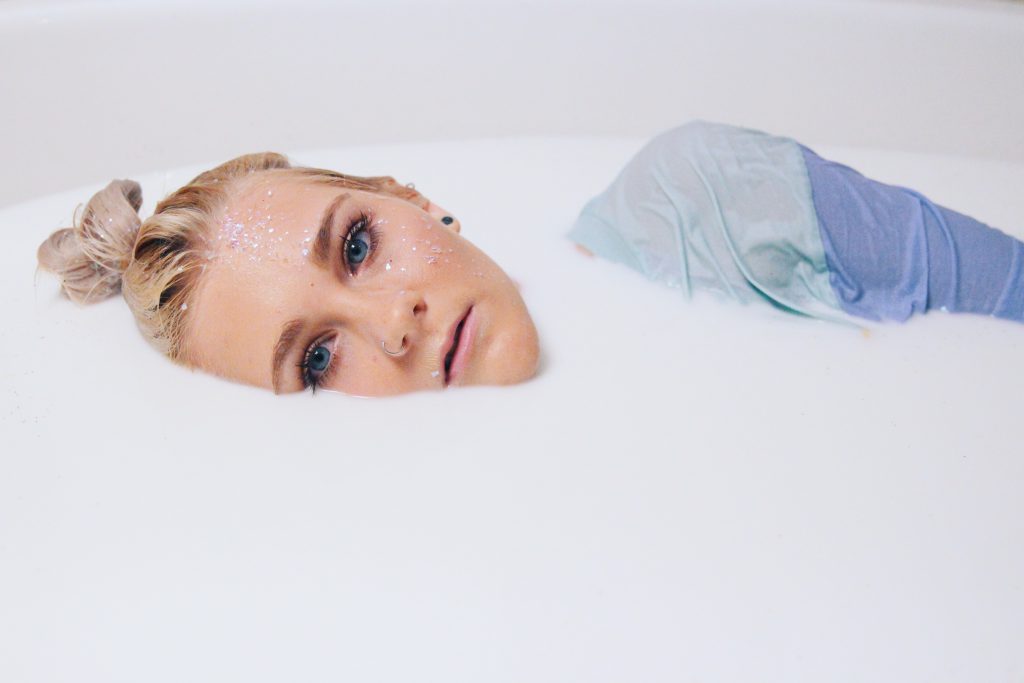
(713, 207)
(761, 219)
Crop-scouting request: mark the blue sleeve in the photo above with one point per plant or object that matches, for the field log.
(892, 253)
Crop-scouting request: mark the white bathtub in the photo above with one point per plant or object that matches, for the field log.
(688, 491)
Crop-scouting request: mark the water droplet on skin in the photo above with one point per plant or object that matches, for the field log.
(414, 248)
(305, 252)
(436, 250)
(387, 266)
(269, 193)
(431, 259)
(402, 269)
(184, 307)
(435, 373)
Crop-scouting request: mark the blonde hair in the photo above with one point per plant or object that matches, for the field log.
(158, 263)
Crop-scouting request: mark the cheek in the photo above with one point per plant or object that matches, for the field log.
(365, 372)
(416, 248)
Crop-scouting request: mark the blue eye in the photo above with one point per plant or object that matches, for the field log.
(319, 359)
(357, 247)
(316, 365)
(360, 241)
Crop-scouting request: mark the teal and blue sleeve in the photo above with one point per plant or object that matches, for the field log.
(760, 218)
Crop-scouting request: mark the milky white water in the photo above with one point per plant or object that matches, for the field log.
(688, 490)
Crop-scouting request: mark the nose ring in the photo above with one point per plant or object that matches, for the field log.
(399, 352)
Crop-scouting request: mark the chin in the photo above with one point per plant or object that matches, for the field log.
(514, 357)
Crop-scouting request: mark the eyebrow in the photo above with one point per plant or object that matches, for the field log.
(322, 243)
(289, 334)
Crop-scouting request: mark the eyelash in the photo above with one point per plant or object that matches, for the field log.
(362, 221)
(309, 380)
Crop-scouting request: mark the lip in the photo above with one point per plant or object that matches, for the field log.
(460, 358)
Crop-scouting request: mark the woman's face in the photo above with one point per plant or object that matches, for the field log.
(312, 285)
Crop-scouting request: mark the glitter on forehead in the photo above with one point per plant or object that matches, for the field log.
(305, 242)
(249, 231)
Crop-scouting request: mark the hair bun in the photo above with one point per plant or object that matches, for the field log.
(90, 257)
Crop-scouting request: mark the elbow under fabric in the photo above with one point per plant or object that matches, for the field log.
(892, 253)
(760, 218)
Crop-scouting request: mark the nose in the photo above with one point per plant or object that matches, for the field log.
(401, 325)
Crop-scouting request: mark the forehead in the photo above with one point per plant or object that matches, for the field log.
(275, 217)
(265, 208)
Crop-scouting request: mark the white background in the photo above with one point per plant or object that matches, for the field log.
(694, 492)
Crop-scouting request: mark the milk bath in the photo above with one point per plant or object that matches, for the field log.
(679, 478)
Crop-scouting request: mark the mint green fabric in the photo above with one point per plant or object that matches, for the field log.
(719, 208)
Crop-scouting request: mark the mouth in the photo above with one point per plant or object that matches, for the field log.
(458, 348)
